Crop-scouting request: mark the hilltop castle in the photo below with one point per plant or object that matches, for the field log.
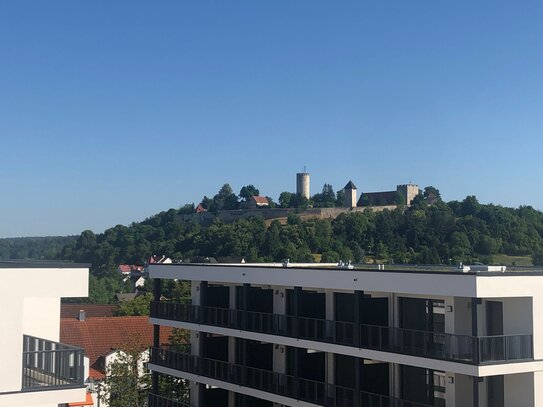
(404, 194)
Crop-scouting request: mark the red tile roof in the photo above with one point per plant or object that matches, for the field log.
(129, 268)
(88, 402)
(125, 268)
(91, 310)
(99, 336)
(260, 199)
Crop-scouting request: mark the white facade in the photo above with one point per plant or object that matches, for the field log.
(481, 343)
(30, 305)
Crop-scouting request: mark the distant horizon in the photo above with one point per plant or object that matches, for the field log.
(113, 111)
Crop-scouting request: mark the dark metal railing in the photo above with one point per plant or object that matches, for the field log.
(311, 391)
(154, 400)
(48, 364)
(445, 346)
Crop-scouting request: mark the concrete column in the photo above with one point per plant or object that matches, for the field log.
(232, 296)
(231, 349)
(231, 359)
(395, 379)
(450, 389)
(449, 315)
(296, 309)
(475, 390)
(330, 362)
(475, 332)
(196, 348)
(330, 313)
(279, 300)
(538, 388)
(231, 399)
(537, 327)
(157, 290)
(280, 309)
(296, 370)
(195, 292)
(357, 317)
(280, 359)
(394, 310)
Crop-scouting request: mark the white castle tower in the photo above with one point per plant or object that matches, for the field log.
(350, 199)
(302, 184)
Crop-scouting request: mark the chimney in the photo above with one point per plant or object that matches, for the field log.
(81, 316)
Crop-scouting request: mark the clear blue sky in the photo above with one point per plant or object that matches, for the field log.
(111, 111)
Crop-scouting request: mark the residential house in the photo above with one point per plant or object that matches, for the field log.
(104, 338)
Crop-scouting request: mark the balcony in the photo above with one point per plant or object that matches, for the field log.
(457, 348)
(310, 391)
(51, 365)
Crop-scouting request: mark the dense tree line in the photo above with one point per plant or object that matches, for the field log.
(457, 231)
(36, 248)
(430, 231)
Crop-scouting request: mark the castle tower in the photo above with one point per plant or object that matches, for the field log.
(409, 192)
(302, 184)
(350, 195)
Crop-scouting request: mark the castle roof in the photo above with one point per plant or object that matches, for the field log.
(350, 185)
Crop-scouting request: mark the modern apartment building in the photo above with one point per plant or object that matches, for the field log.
(36, 369)
(411, 337)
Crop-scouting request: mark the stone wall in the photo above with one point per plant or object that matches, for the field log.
(281, 214)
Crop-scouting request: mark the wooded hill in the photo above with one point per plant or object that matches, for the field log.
(438, 233)
(447, 233)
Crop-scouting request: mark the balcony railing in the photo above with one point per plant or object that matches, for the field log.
(310, 391)
(154, 400)
(48, 365)
(434, 345)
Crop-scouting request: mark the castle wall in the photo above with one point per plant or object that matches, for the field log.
(270, 214)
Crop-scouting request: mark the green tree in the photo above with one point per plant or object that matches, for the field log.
(225, 199)
(326, 198)
(127, 380)
(431, 194)
(340, 197)
(247, 192)
(469, 206)
(137, 307)
(398, 199)
(537, 258)
(284, 199)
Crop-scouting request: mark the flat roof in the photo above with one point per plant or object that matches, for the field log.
(374, 268)
(41, 264)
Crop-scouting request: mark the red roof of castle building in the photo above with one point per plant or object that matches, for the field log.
(99, 336)
(260, 199)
